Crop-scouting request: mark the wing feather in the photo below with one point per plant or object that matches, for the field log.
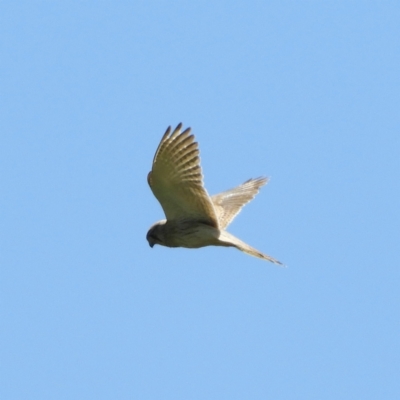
(228, 204)
(176, 179)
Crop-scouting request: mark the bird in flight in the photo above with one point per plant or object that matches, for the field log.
(194, 218)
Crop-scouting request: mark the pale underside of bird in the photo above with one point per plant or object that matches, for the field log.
(193, 218)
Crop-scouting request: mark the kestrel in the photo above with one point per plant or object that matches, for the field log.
(194, 219)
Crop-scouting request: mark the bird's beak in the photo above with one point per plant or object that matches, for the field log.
(151, 245)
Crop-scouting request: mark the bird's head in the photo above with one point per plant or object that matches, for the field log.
(155, 233)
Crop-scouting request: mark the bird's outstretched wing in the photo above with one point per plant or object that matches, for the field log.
(177, 181)
(228, 204)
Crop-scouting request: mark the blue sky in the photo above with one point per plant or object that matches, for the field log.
(305, 92)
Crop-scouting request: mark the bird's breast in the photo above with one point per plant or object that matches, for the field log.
(189, 234)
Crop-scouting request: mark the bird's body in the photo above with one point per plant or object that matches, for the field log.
(189, 234)
(194, 219)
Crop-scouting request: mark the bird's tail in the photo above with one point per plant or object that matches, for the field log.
(230, 240)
